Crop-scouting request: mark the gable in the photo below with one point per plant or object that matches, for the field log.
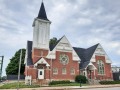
(63, 45)
(100, 52)
(41, 61)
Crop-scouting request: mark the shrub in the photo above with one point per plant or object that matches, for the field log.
(59, 82)
(80, 78)
(109, 82)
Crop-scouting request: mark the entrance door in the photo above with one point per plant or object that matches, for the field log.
(40, 73)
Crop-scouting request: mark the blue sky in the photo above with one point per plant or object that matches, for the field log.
(84, 22)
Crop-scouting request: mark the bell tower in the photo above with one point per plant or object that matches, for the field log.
(41, 31)
(41, 34)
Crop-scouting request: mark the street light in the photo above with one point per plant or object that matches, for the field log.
(1, 65)
(79, 66)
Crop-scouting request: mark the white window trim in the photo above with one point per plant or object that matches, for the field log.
(63, 71)
(72, 71)
(103, 66)
(56, 71)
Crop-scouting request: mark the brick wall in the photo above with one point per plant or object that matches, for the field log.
(107, 69)
(37, 53)
(56, 64)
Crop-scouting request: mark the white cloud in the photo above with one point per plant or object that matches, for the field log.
(83, 22)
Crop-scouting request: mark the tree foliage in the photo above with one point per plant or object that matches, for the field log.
(53, 41)
(80, 78)
(13, 66)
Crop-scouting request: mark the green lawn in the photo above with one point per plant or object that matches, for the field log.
(22, 85)
(14, 86)
(69, 84)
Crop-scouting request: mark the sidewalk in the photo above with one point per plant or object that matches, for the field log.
(73, 87)
(69, 87)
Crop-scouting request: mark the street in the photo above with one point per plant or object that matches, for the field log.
(114, 88)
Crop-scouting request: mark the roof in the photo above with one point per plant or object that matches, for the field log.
(29, 53)
(85, 55)
(42, 13)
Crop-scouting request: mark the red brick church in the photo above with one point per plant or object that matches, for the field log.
(62, 61)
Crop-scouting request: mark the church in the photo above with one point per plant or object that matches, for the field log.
(45, 62)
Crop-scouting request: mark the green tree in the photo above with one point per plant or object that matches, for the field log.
(53, 41)
(13, 66)
(80, 78)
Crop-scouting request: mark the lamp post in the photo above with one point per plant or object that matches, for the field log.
(79, 74)
(79, 66)
(1, 65)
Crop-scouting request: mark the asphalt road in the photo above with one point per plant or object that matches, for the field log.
(114, 88)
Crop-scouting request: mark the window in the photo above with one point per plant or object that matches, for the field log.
(40, 72)
(55, 71)
(72, 71)
(63, 70)
(100, 65)
(64, 59)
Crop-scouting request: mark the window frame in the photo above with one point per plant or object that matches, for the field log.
(64, 71)
(55, 71)
(72, 71)
(101, 67)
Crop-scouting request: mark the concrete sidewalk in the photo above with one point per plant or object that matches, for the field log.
(69, 87)
(73, 87)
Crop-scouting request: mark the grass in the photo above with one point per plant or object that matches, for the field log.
(69, 84)
(14, 86)
(22, 85)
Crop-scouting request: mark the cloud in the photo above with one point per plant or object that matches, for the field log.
(83, 22)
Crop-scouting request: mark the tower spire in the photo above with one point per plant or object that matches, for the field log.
(42, 12)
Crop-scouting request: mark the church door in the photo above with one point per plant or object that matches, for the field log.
(40, 73)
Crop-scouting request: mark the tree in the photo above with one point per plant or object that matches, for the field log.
(80, 78)
(13, 66)
(53, 41)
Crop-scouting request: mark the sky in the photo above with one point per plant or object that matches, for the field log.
(84, 22)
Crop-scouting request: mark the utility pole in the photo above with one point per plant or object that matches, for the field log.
(19, 69)
(1, 65)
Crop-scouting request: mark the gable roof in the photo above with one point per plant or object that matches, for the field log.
(29, 53)
(90, 51)
(85, 55)
(42, 13)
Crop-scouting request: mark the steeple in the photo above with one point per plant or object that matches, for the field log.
(41, 30)
(42, 12)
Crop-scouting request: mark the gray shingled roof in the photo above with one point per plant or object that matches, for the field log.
(29, 53)
(85, 55)
(42, 13)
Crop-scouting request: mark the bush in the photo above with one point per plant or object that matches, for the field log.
(59, 82)
(109, 82)
(80, 78)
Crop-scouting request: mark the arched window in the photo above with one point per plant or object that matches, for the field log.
(100, 65)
